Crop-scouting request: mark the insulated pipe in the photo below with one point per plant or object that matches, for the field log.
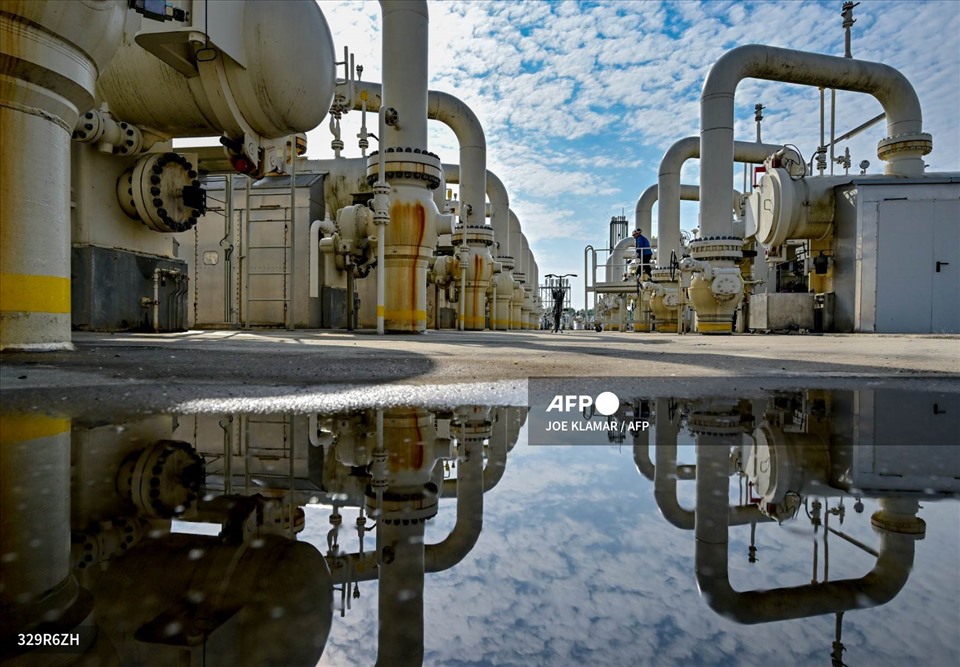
(670, 190)
(466, 531)
(405, 65)
(877, 587)
(643, 216)
(903, 148)
(474, 234)
(411, 236)
(38, 583)
(519, 271)
(496, 459)
(51, 54)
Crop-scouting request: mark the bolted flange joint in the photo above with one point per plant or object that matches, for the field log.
(406, 163)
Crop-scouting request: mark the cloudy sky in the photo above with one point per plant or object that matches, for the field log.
(580, 100)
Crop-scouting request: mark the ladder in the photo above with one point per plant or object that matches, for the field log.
(268, 255)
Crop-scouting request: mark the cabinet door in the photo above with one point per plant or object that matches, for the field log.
(945, 289)
(904, 266)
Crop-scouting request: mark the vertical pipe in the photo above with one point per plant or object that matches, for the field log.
(228, 252)
(35, 520)
(833, 124)
(292, 266)
(405, 66)
(381, 228)
(244, 260)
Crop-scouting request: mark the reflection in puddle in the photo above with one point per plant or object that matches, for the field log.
(284, 539)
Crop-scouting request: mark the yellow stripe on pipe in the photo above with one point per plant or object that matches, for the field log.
(380, 311)
(714, 327)
(22, 428)
(24, 293)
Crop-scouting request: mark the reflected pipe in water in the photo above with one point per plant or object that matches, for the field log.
(463, 537)
(880, 585)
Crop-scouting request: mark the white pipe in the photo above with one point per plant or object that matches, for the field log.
(456, 115)
(292, 267)
(463, 537)
(381, 216)
(903, 148)
(405, 67)
(669, 188)
(877, 587)
(643, 214)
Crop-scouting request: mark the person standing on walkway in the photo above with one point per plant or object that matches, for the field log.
(558, 295)
(644, 253)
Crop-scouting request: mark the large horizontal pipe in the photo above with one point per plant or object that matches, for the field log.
(897, 97)
(670, 189)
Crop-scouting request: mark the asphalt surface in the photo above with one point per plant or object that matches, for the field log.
(307, 370)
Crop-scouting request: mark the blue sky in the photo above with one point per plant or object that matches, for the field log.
(579, 101)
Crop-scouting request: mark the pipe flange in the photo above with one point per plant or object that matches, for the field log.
(520, 276)
(405, 508)
(507, 262)
(406, 163)
(90, 128)
(476, 234)
(162, 192)
(162, 481)
(717, 424)
(661, 276)
(912, 142)
(729, 248)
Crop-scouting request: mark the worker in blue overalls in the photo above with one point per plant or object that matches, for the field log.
(644, 253)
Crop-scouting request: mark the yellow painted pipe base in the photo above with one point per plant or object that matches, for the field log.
(714, 327)
(666, 327)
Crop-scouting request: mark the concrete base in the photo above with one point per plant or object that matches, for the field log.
(781, 312)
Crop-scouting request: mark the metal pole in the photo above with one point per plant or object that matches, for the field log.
(833, 124)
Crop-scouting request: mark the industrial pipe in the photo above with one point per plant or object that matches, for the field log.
(643, 215)
(519, 272)
(51, 54)
(411, 170)
(877, 587)
(670, 191)
(902, 149)
(466, 531)
(473, 232)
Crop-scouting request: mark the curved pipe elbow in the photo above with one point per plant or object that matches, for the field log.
(643, 213)
(455, 114)
(887, 84)
(641, 457)
(877, 587)
(456, 546)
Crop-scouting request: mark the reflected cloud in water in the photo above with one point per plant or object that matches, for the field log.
(792, 527)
